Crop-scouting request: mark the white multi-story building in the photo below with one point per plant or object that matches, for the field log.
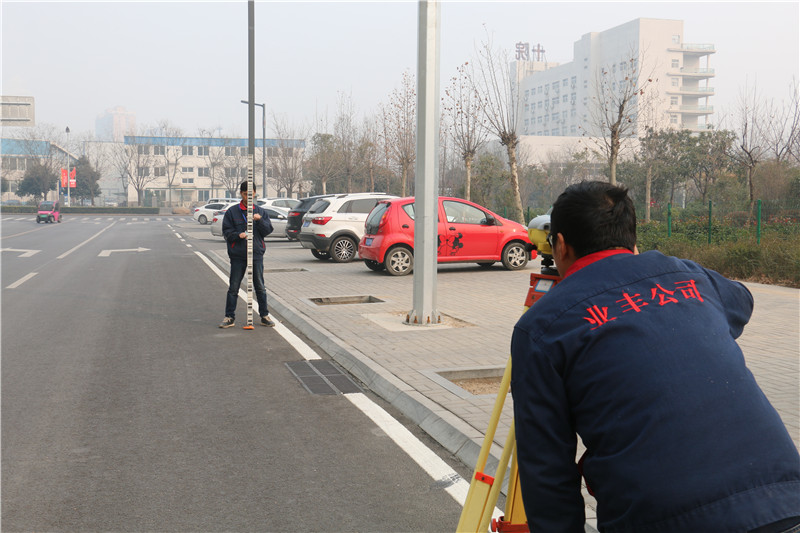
(175, 171)
(558, 99)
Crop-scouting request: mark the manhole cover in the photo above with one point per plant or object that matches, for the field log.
(343, 300)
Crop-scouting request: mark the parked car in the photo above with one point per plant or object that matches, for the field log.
(296, 215)
(48, 212)
(205, 213)
(467, 232)
(333, 226)
(287, 203)
(277, 215)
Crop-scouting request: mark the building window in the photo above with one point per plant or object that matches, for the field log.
(187, 150)
(673, 119)
(555, 100)
(187, 181)
(230, 151)
(565, 82)
(202, 150)
(159, 171)
(676, 82)
(272, 152)
(159, 150)
(143, 172)
(540, 104)
(244, 150)
(673, 100)
(565, 98)
(143, 149)
(676, 63)
(203, 196)
(204, 172)
(231, 172)
(585, 84)
(676, 39)
(187, 170)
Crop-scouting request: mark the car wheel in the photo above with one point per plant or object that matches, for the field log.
(374, 265)
(38, 221)
(486, 264)
(399, 261)
(343, 250)
(515, 257)
(319, 254)
(202, 219)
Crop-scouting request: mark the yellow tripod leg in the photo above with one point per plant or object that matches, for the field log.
(478, 497)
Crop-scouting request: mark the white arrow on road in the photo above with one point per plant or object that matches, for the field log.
(106, 253)
(23, 253)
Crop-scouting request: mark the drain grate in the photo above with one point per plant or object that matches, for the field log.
(322, 377)
(342, 300)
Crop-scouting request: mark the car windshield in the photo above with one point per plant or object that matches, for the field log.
(46, 206)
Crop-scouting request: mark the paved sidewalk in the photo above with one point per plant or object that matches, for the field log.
(412, 366)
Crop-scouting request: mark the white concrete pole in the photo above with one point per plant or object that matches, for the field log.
(426, 184)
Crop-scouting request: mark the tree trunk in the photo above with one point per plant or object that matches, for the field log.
(468, 165)
(512, 163)
(647, 193)
(404, 178)
(324, 186)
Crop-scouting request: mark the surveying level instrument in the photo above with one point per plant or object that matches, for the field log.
(484, 490)
(250, 200)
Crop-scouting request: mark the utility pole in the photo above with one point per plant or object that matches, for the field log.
(426, 184)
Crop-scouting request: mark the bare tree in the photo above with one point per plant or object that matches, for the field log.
(497, 95)
(615, 113)
(370, 149)
(461, 105)
(214, 158)
(288, 160)
(134, 164)
(782, 125)
(750, 147)
(168, 155)
(346, 134)
(234, 162)
(399, 117)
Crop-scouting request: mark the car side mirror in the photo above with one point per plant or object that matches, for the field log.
(489, 220)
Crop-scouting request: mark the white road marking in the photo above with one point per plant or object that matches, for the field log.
(65, 254)
(302, 348)
(411, 445)
(107, 253)
(24, 253)
(21, 281)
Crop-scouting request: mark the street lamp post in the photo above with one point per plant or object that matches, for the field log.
(263, 146)
(69, 200)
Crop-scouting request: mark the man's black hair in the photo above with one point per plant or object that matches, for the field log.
(243, 187)
(594, 216)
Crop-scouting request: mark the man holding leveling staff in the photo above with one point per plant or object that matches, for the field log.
(636, 354)
(234, 229)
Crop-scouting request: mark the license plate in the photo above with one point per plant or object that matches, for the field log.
(306, 223)
(367, 241)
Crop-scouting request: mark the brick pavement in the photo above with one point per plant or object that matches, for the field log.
(409, 365)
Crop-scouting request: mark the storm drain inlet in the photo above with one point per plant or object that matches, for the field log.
(322, 377)
(343, 300)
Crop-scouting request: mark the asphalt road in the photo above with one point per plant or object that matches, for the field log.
(125, 408)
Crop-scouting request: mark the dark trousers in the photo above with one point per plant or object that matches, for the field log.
(238, 270)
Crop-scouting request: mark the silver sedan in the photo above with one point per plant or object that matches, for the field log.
(277, 215)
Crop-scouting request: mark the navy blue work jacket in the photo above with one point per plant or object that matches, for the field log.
(637, 355)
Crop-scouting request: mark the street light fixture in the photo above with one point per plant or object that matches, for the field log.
(263, 146)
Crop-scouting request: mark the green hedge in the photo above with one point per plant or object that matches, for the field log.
(85, 210)
(733, 252)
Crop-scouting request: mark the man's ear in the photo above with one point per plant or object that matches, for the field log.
(563, 254)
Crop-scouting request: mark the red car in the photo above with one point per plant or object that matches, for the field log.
(467, 233)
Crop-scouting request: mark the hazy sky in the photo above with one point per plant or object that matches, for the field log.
(187, 61)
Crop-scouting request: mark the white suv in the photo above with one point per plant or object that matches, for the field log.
(333, 226)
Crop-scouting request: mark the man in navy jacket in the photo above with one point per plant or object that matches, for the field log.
(234, 229)
(636, 354)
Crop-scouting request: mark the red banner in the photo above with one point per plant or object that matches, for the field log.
(63, 177)
(72, 183)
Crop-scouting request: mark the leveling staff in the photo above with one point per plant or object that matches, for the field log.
(636, 353)
(234, 229)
